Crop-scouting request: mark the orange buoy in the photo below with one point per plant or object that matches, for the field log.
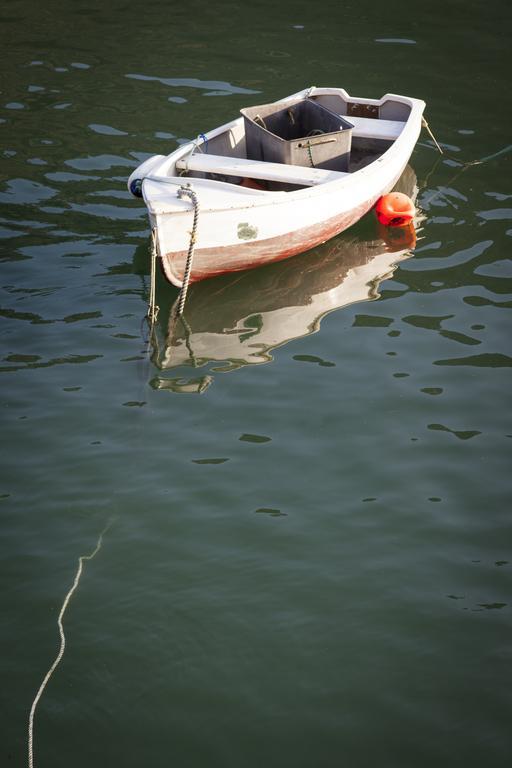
(395, 209)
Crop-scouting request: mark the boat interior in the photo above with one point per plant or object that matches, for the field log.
(285, 147)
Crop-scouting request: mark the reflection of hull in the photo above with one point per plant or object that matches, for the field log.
(218, 333)
(239, 319)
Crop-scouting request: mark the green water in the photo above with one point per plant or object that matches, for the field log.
(308, 564)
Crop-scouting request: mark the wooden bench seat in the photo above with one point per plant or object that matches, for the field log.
(255, 169)
(368, 128)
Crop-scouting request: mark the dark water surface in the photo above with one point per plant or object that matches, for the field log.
(308, 564)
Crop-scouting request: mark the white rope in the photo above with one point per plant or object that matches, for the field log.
(62, 646)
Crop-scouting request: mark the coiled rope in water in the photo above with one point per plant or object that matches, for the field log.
(62, 648)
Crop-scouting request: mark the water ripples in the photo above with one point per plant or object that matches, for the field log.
(310, 489)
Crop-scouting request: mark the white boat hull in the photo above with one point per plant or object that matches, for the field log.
(240, 228)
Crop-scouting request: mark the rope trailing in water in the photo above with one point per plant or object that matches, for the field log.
(467, 163)
(60, 654)
(153, 308)
(187, 191)
(427, 126)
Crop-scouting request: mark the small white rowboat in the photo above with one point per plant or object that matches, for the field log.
(252, 212)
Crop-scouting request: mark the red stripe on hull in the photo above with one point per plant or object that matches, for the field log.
(210, 262)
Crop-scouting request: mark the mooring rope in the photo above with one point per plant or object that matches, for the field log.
(465, 163)
(153, 308)
(187, 191)
(427, 126)
(62, 644)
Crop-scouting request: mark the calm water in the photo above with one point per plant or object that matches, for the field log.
(308, 564)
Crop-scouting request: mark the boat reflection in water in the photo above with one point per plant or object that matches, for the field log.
(238, 319)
